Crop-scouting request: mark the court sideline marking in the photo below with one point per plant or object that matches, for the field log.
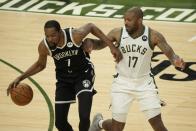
(50, 107)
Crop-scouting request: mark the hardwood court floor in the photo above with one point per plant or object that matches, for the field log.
(20, 34)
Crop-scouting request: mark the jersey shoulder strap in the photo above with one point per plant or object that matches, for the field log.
(68, 34)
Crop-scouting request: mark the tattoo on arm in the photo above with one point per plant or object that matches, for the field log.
(82, 32)
(165, 47)
(98, 44)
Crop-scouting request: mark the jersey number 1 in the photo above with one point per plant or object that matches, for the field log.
(133, 60)
(68, 62)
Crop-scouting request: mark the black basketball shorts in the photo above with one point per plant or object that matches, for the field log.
(67, 91)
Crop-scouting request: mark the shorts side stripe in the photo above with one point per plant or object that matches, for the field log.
(65, 102)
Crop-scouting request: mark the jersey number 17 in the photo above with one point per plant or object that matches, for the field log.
(132, 61)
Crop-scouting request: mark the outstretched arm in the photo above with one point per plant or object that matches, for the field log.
(38, 66)
(80, 33)
(159, 40)
(95, 44)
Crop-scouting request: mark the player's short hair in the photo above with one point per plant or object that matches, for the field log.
(137, 11)
(52, 24)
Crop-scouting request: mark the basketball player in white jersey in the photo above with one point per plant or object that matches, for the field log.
(134, 80)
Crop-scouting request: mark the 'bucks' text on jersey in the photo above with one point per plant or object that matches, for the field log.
(137, 54)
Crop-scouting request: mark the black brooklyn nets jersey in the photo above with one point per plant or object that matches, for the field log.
(70, 59)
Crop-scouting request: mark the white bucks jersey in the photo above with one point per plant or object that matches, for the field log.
(137, 54)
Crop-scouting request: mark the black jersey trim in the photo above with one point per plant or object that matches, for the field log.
(149, 39)
(118, 44)
(151, 75)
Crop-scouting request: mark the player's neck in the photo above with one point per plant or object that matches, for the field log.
(139, 32)
(61, 40)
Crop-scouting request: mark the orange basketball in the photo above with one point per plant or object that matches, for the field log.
(22, 94)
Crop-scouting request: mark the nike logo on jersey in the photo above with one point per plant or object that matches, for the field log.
(86, 71)
(149, 82)
(125, 37)
(69, 71)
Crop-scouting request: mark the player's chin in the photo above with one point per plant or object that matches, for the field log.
(52, 43)
(129, 30)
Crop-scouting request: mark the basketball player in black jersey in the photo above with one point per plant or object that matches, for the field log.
(74, 71)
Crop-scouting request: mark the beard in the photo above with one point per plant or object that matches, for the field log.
(131, 31)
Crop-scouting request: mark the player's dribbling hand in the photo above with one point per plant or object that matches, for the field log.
(12, 85)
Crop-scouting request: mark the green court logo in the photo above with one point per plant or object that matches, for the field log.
(97, 10)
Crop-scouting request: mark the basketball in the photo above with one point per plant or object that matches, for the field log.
(22, 94)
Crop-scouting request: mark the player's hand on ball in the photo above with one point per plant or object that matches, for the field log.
(22, 94)
(12, 85)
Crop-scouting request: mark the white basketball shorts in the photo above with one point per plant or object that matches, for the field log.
(125, 91)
